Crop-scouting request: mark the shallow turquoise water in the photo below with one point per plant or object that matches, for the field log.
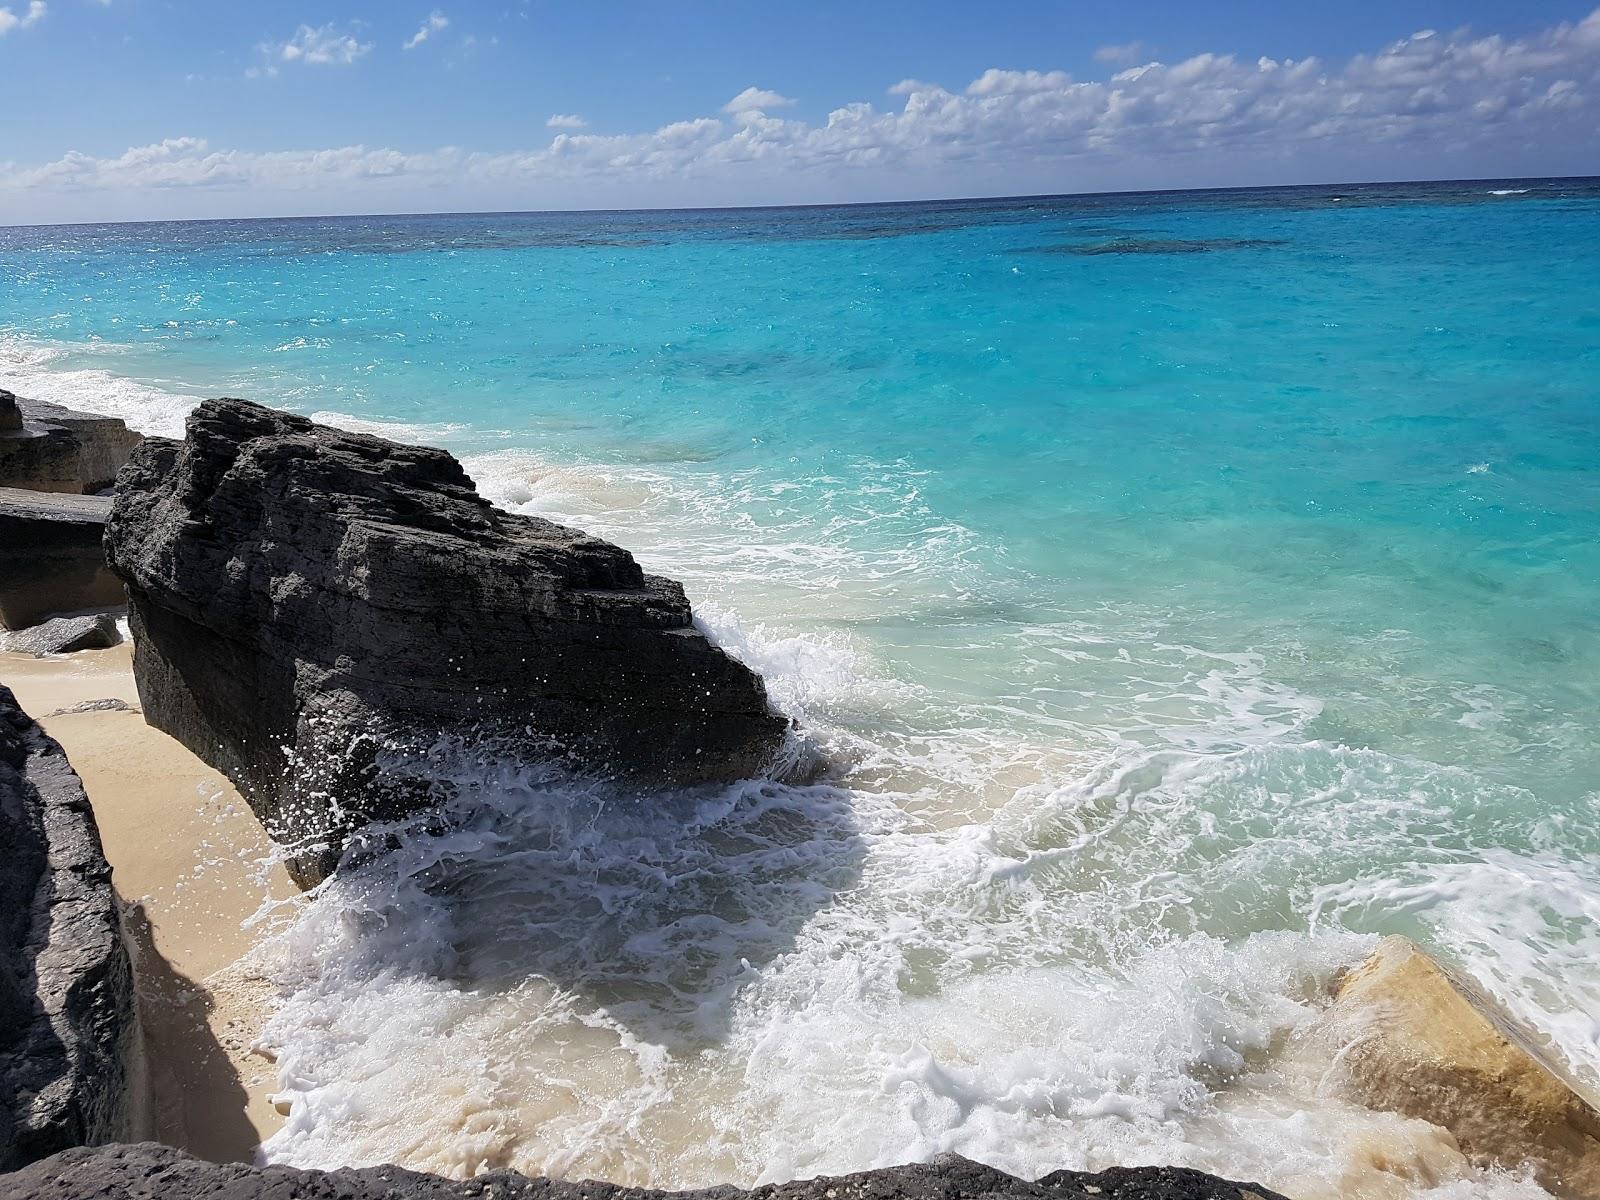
(1169, 572)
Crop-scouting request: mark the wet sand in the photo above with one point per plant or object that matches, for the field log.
(189, 862)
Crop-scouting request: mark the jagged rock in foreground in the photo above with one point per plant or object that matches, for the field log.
(66, 987)
(47, 448)
(300, 594)
(1427, 1043)
(152, 1172)
(51, 557)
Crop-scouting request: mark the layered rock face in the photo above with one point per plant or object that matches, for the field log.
(301, 596)
(151, 1172)
(1421, 1041)
(47, 448)
(51, 557)
(66, 987)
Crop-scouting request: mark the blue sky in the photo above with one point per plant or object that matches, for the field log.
(165, 108)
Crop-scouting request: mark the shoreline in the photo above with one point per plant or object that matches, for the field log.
(190, 866)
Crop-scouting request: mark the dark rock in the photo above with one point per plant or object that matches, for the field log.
(47, 448)
(151, 1172)
(63, 635)
(1151, 245)
(303, 596)
(51, 557)
(66, 988)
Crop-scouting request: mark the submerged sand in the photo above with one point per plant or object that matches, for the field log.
(192, 867)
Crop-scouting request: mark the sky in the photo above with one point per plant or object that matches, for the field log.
(158, 109)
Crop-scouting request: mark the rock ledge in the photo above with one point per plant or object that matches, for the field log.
(151, 1172)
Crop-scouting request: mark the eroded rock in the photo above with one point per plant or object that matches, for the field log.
(302, 597)
(66, 989)
(64, 635)
(48, 448)
(51, 557)
(152, 1172)
(1425, 1042)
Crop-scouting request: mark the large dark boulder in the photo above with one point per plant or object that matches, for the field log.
(66, 988)
(47, 448)
(303, 597)
(51, 557)
(151, 1172)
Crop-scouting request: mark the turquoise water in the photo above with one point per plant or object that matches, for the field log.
(1187, 587)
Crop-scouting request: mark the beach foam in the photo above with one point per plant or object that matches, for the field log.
(38, 370)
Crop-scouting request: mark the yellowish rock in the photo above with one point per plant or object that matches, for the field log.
(1420, 1040)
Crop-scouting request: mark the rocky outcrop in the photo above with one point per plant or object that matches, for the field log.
(151, 1172)
(51, 558)
(66, 991)
(1420, 1040)
(47, 448)
(302, 597)
(64, 635)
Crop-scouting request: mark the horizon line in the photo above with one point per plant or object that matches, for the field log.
(733, 208)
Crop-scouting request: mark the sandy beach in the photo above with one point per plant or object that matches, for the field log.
(191, 865)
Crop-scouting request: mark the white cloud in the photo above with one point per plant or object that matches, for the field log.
(322, 45)
(754, 99)
(566, 121)
(436, 22)
(1120, 55)
(1430, 104)
(31, 16)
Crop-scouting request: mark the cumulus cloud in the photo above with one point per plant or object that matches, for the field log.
(322, 45)
(566, 121)
(1429, 103)
(30, 16)
(435, 23)
(754, 99)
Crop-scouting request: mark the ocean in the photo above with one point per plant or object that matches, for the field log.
(1186, 589)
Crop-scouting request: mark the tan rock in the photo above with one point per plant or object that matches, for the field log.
(1421, 1040)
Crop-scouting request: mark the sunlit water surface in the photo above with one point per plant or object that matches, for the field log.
(1187, 589)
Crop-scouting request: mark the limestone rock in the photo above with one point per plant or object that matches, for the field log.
(1425, 1042)
(51, 557)
(303, 596)
(151, 1172)
(47, 448)
(64, 635)
(66, 988)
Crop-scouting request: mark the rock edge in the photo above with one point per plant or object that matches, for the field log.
(67, 1020)
(147, 1171)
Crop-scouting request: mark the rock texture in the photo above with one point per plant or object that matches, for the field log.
(47, 448)
(1422, 1041)
(151, 1172)
(302, 596)
(51, 558)
(64, 635)
(66, 989)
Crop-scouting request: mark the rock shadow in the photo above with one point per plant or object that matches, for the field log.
(194, 1097)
